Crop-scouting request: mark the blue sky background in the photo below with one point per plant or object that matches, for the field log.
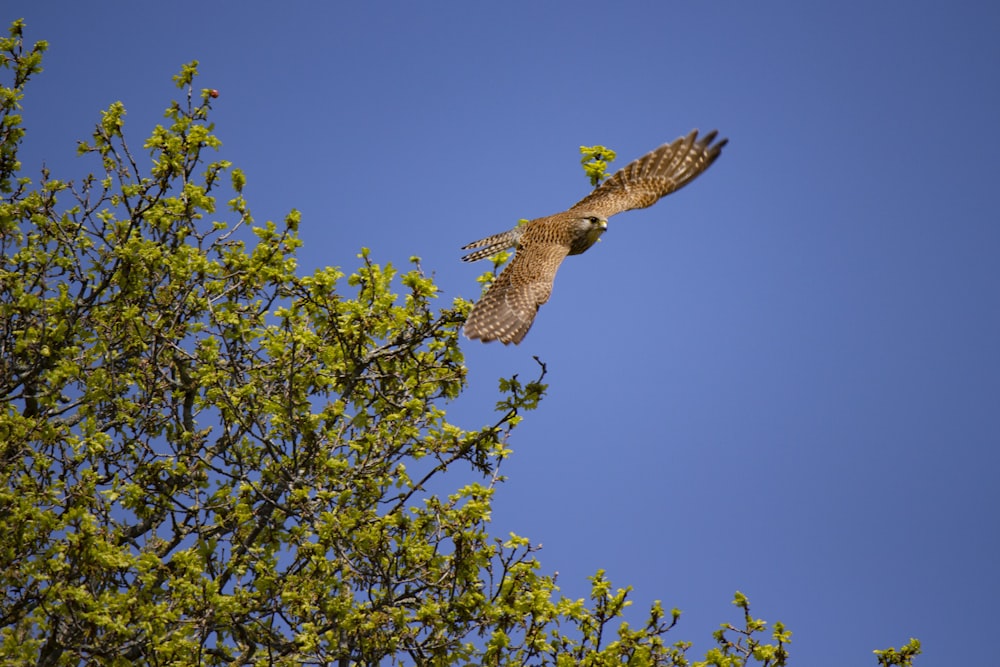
(784, 379)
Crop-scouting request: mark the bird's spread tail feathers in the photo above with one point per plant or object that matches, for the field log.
(491, 245)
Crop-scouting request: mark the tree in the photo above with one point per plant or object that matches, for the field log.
(210, 459)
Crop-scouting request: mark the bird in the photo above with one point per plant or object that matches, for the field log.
(508, 308)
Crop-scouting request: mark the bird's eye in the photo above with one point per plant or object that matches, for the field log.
(593, 219)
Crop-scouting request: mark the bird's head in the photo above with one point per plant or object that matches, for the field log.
(588, 232)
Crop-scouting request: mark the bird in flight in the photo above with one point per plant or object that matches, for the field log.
(508, 308)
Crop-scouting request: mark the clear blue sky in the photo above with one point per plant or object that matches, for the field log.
(784, 379)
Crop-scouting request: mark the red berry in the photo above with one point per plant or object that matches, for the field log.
(213, 93)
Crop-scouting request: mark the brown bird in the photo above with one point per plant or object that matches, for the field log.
(508, 308)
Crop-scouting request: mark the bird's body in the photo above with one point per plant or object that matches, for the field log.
(507, 309)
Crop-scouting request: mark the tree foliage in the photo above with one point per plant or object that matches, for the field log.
(207, 458)
(595, 162)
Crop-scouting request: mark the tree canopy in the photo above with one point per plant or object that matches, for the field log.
(210, 458)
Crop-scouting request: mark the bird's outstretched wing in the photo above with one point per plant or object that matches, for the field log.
(658, 173)
(507, 310)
